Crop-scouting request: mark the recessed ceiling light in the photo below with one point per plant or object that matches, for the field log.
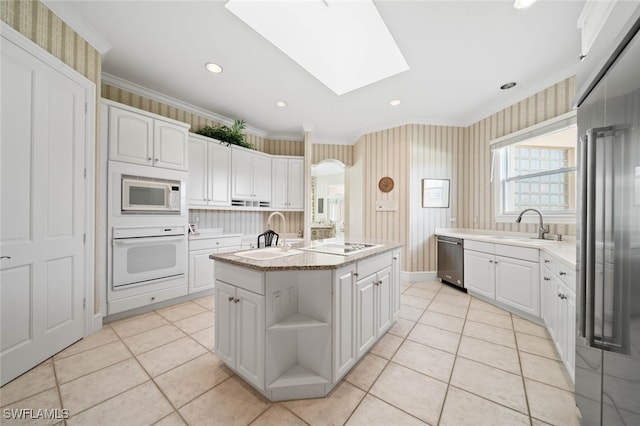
(280, 104)
(523, 4)
(395, 102)
(508, 86)
(214, 68)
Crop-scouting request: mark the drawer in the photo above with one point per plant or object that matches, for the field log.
(214, 243)
(567, 275)
(240, 277)
(549, 262)
(144, 299)
(523, 253)
(479, 246)
(374, 264)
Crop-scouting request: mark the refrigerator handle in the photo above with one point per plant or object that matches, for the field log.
(588, 238)
(582, 275)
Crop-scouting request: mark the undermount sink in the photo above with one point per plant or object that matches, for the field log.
(266, 253)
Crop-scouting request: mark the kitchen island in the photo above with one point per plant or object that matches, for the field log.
(292, 325)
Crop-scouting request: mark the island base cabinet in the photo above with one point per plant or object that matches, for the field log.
(344, 322)
(240, 343)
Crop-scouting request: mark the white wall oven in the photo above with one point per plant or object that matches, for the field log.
(147, 255)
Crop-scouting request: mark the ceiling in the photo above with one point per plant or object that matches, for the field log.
(459, 54)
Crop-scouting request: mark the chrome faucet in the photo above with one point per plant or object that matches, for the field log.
(541, 229)
(284, 221)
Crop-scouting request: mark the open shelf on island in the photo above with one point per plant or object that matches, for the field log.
(297, 376)
(297, 321)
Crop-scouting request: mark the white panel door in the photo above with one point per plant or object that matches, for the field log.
(479, 273)
(42, 220)
(518, 284)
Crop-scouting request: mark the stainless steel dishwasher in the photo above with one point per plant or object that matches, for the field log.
(451, 260)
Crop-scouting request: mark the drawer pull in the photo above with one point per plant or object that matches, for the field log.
(562, 274)
(231, 298)
(236, 300)
(547, 279)
(547, 261)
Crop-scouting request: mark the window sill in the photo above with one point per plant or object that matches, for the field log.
(560, 219)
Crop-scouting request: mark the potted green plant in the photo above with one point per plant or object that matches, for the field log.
(230, 135)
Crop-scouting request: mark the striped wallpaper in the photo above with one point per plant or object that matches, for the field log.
(475, 178)
(412, 152)
(40, 25)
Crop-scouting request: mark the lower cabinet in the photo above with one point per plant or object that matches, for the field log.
(201, 267)
(344, 321)
(507, 274)
(240, 331)
(558, 310)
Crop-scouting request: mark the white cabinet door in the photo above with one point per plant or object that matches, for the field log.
(262, 177)
(570, 332)
(479, 273)
(295, 181)
(242, 172)
(395, 283)
(250, 337)
(287, 183)
(130, 137)
(226, 323)
(42, 202)
(384, 315)
(170, 146)
(219, 169)
(198, 187)
(518, 284)
(279, 183)
(344, 320)
(366, 315)
(547, 297)
(201, 270)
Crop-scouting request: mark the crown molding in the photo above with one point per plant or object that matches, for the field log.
(70, 17)
(185, 106)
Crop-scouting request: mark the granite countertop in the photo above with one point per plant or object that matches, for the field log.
(564, 251)
(308, 260)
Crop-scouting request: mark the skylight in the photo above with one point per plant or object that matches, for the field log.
(343, 43)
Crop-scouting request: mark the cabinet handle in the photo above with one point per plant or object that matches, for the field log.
(496, 262)
(395, 257)
(562, 274)
(236, 300)
(546, 261)
(157, 159)
(230, 298)
(153, 298)
(5, 257)
(547, 279)
(491, 261)
(355, 274)
(148, 158)
(562, 296)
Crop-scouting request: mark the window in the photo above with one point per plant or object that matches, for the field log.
(536, 168)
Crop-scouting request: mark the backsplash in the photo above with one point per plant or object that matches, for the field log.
(246, 222)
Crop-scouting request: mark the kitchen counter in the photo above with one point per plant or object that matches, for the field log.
(565, 250)
(308, 260)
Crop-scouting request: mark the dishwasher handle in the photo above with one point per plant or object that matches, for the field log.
(457, 243)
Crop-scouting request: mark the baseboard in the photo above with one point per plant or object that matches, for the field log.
(413, 277)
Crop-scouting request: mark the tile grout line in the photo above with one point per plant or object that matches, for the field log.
(524, 387)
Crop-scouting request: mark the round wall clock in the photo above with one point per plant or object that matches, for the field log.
(385, 184)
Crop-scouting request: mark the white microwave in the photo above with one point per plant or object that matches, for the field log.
(150, 195)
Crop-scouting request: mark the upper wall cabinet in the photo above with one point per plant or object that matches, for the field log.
(287, 182)
(251, 178)
(139, 137)
(209, 173)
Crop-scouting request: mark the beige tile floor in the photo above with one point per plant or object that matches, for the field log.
(450, 359)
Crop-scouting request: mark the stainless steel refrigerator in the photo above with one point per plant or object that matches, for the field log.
(607, 376)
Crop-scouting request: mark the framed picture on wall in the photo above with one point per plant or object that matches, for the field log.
(435, 193)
